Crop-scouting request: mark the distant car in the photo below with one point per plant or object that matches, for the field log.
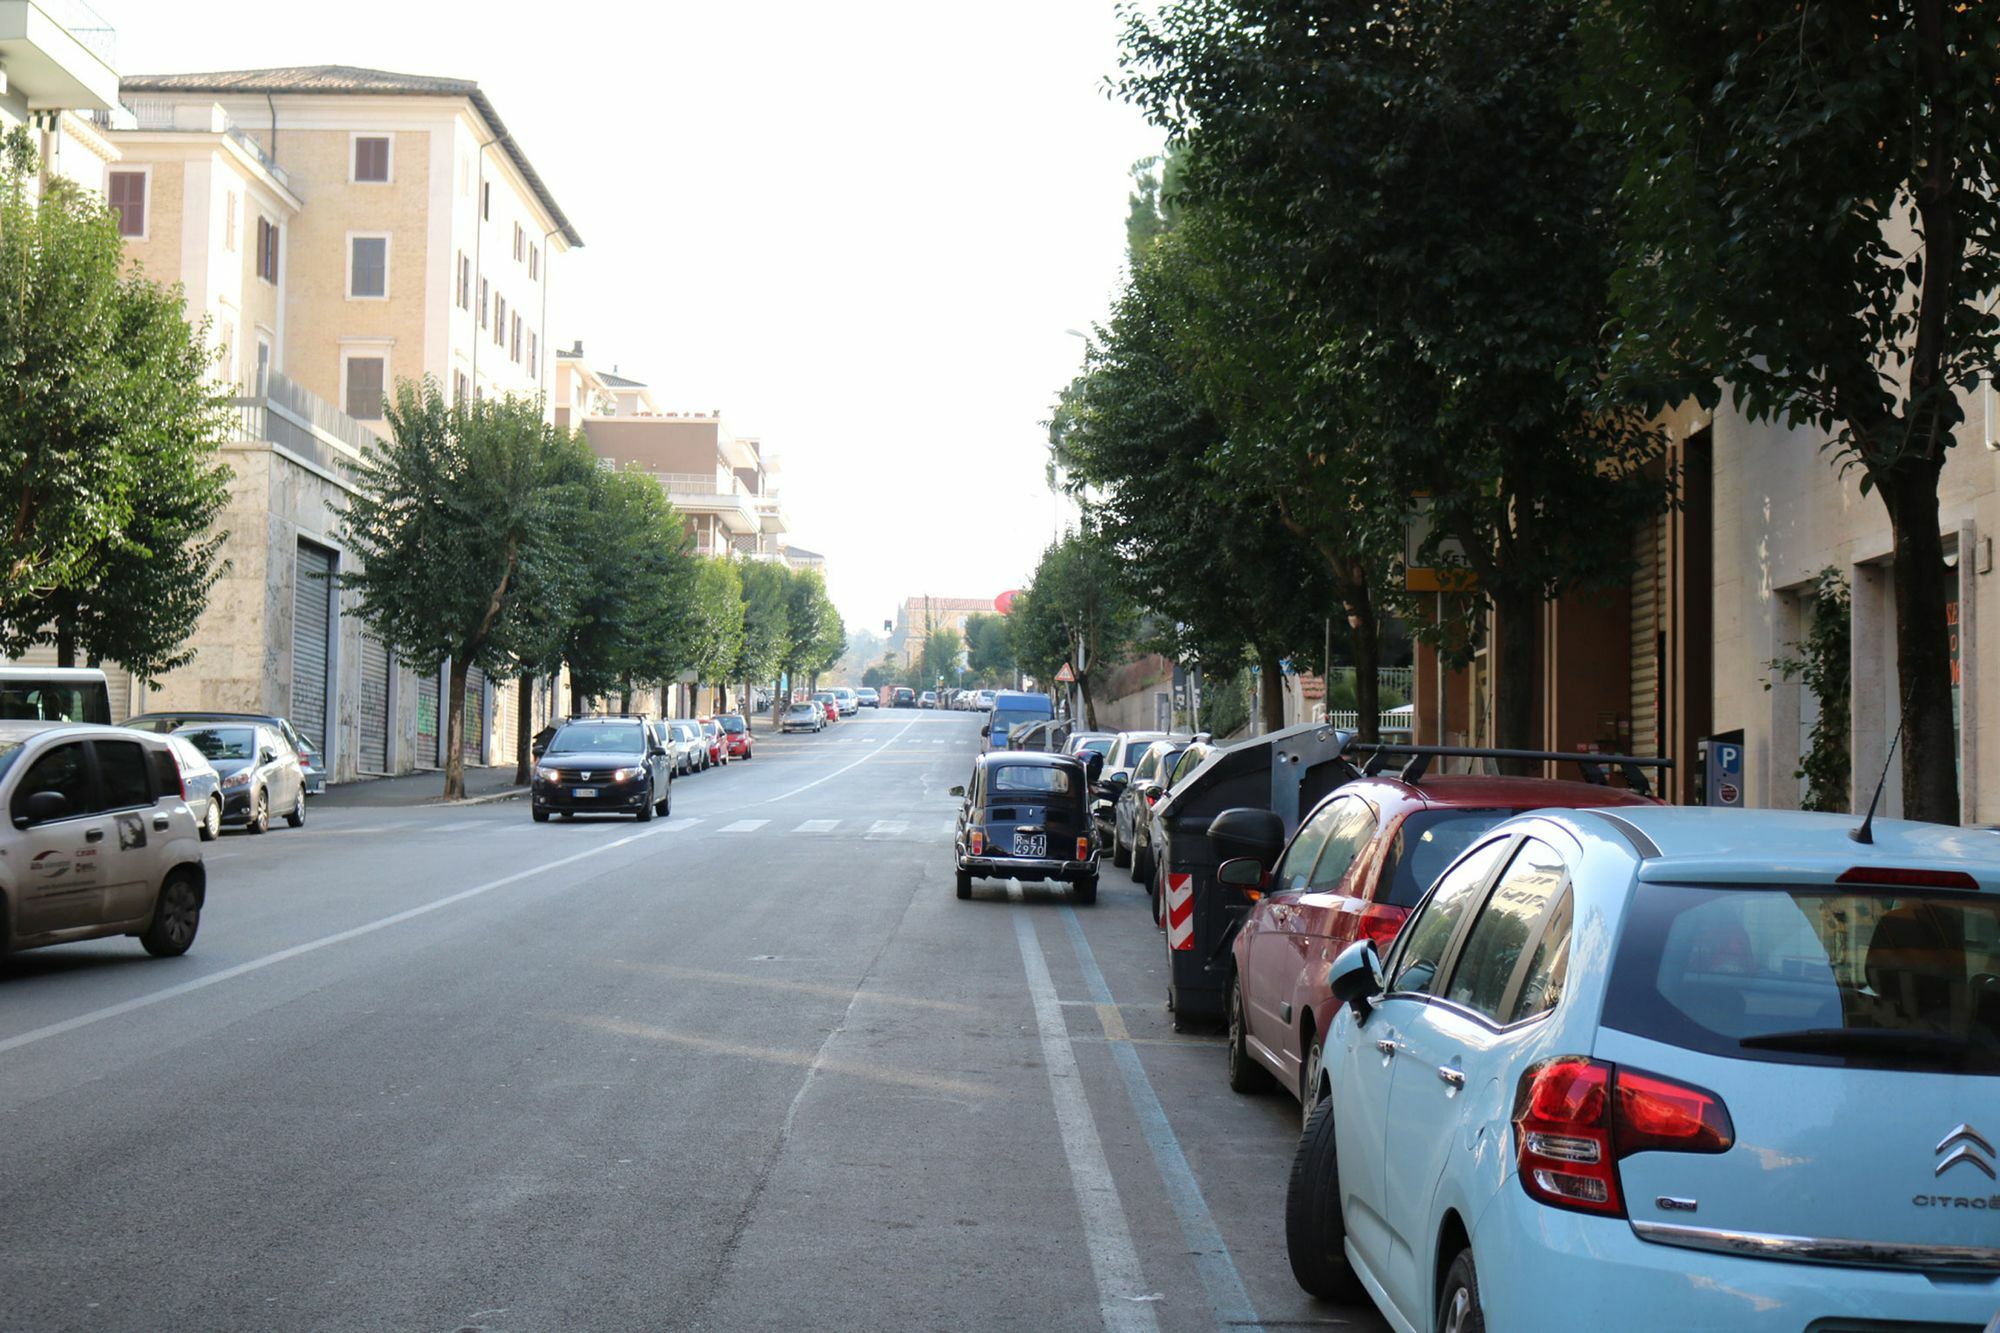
(100, 841)
(803, 717)
(1025, 817)
(928, 699)
(54, 694)
(984, 700)
(304, 746)
(718, 746)
(689, 745)
(1126, 751)
(1100, 741)
(1707, 1068)
(849, 701)
(1140, 794)
(903, 697)
(868, 698)
(1009, 710)
(202, 785)
(736, 735)
(259, 773)
(829, 704)
(603, 765)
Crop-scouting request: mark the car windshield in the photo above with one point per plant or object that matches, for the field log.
(52, 701)
(1426, 843)
(1005, 720)
(1136, 751)
(620, 738)
(1876, 979)
(1031, 779)
(733, 725)
(222, 742)
(1097, 745)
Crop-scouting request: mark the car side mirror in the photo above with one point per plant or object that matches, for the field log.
(958, 791)
(1241, 873)
(1093, 766)
(267, 756)
(43, 807)
(1246, 831)
(1355, 977)
(986, 731)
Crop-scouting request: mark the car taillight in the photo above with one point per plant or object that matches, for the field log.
(978, 843)
(1152, 799)
(1575, 1119)
(1380, 924)
(1083, 849)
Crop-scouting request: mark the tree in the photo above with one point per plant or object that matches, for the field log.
(1073, 613)
(460, 512)
(631, 624)
(1810, 210)
(942, 652)
(883, 674)
(989, 652)
(715, 623)
(815, 636)
(766, 625)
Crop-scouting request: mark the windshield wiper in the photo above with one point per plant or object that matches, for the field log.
(1922, 1046)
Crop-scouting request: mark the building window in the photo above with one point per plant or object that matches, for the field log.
(461, 388)
(534, 263)
(514, 346)
(482, 303)
(486, 200)
(368, 267)
(229, 222)
(520, 244)
(371, 159)
(362, 395)
(267, 250)
(263, 363)
(499, 320)
(127, 193)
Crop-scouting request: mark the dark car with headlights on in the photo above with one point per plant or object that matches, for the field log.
(1027, 817)
(608, 766)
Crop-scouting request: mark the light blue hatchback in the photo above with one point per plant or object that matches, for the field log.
(1670, 1069)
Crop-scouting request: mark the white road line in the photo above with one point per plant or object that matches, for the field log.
(1106, 1234)
(457, 826)
(818, 826)
(888, 828)
(310, 946)
(744, 826)
(836, 772)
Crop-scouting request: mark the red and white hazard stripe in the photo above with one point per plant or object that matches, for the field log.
(1180, 911)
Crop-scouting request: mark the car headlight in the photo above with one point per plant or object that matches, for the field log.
(628, 775)
(545, 772)
(240, 778)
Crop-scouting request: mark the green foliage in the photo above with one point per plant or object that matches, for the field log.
(883, 674)
(815, 635)
(1075, 611)
(767, 626)
(941, 655)
(1823, 661)
(989, 649)
(715, 621)
(632, 620)
(1225, 703)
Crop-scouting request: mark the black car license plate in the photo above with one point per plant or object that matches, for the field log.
(1031, 844)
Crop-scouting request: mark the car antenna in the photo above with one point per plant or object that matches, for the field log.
(1866, 833)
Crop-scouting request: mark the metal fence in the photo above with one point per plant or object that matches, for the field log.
(299, 422)
(1385, 723)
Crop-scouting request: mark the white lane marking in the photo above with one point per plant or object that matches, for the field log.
(836, 772)
(745, 826)
(457, 826)
(310, 946)
(1014, 893)
(818, 826)
(888, 828)
(1106, 1234)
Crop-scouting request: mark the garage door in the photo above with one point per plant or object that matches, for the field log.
(374, 705)
(475, 716)
(427, 719)
(312, 627)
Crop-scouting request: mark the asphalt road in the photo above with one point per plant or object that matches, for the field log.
(752, 1066)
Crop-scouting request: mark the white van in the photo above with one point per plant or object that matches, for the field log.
(54, 694)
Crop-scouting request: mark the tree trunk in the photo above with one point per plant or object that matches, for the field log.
(1923, 647)
(577, 702)
(1271, 684)
(65, 647)
(1367, 640)
(1514, 674)
(454, 733)
(1089, 701)
(524, 732)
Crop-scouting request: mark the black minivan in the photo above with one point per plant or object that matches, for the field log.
(1027, 816)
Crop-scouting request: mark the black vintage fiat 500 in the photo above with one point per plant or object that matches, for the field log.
(1026, 816)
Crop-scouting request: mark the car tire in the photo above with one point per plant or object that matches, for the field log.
(296, 816)
(964, 884)
(1309, 1083)
(541, 815)
(1245, 1074)
(666, 805)
(1121, 855)
(645, 810)
(1458, 1306)
(1086, 891)
(1142, 864)
(211, 820)
(176, 918)
(1315, 1234)
(260, 814)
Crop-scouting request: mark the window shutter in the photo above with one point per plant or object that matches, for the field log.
(371, 159)
(364, 387)
(127, 192)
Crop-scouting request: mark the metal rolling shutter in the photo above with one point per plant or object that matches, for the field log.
(1648, 621)
(475, 716)
(429, 733)
(312, 627)
(374, 705)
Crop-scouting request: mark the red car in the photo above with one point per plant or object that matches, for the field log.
(830, 703)
(1354, 870)
(735, 734)
(718, 743)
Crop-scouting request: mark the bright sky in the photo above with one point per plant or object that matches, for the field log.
(861, 230)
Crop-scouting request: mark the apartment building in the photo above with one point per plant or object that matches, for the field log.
(58, 67)
(918, 617)
(341, 229)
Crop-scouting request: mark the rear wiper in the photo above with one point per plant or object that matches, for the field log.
(1873, 1041)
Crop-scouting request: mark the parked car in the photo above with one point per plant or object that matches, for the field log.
(849, 701)
(1100, 741)
(1025, 817)
(1727, 1068)
(687, 744)
(803, 717)
(867, 697)
(904, 697)
(1139, 793)
(736, 735)
(302, 745)
(603, 765)
(100, 841)
(1147, 836)
(54, 694)
(1052, 736)
(928, 699)
(1126, 751)
(201, 786)
(718, 747)
(1010, 709)
(259, 774)
(984, 700)
(1354, 869)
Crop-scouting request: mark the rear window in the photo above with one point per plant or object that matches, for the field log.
(1880, 980)
(53, 701)
(1026, 778)
(1005, 720)
(223, 743)
(1427, 842)
(733, 725)
(1136, 752)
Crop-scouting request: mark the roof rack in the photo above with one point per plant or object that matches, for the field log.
(1417, 760)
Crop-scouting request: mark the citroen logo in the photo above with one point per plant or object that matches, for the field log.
(1964, 1145)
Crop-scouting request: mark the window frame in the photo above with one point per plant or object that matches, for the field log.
(368, 352)
(103, 780)
(22, 789)
(388, 141)
(387, 264)
(230, 224)
(1448, 955)
(269, 247)
(144, 171)
(1455, 955)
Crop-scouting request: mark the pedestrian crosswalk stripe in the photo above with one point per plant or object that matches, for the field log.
(887, 828)
(818, 826)
(745, 826)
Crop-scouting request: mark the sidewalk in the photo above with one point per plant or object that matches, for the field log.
(409, 789)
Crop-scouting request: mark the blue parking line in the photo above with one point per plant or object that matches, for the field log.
(1219, 1278)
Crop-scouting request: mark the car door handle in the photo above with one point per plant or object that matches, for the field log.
(1386, 1046)
(160, 823)
(1453, 1077)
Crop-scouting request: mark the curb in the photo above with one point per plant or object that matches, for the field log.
(490, 798)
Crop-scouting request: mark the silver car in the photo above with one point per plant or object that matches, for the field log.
(202, 787)
(99, 840)
(689, 745)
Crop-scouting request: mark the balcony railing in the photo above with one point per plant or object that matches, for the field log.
(300, 423)
(85, 24)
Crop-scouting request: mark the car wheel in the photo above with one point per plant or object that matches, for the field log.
(645, 810)
(1142, 863)
(541, 815)
(1086, 891)
(1245, 1074)
(296, 816)
(666, 805)
(260, 814)
(1315, 1235)
(964, 884)
(1309, 1084)
(1458, 1307)
(211, 820)
(176, 918)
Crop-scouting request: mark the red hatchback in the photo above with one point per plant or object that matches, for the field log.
(717, 738)
(735, 734)
(1354, 870)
